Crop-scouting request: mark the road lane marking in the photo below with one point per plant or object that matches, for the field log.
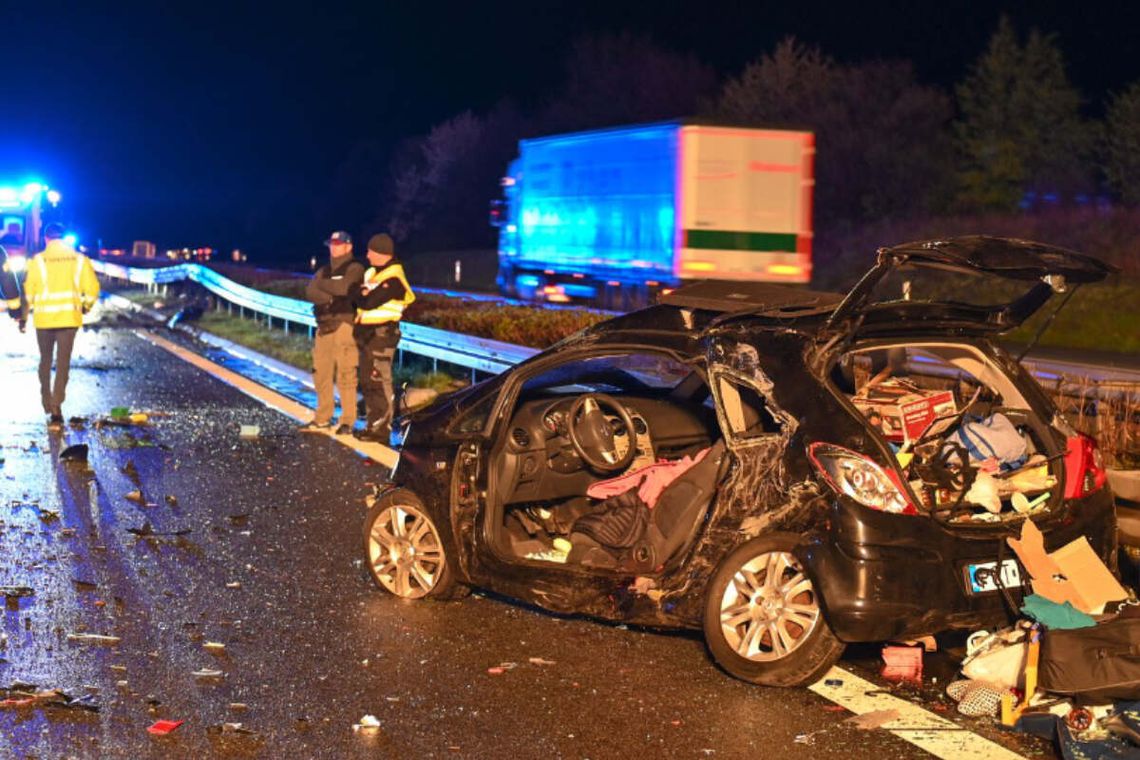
(939, 736)
(272, 399)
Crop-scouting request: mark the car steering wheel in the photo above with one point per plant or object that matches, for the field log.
(593, 438)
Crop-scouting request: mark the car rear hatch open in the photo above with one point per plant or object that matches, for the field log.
(1042, 269)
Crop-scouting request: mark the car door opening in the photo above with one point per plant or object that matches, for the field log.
(609, 471)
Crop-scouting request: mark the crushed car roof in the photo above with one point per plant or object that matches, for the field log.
(741, 297)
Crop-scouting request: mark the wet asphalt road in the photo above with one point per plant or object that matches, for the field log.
(270, 568)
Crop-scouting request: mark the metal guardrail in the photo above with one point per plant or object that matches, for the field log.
(481, 354)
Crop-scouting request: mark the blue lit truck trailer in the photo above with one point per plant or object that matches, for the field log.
(612, 217)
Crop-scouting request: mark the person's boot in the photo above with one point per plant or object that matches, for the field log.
(377, 433)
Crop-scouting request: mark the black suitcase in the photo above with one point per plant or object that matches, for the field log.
(1093, 665)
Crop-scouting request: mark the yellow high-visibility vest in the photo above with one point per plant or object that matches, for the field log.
(61, 285)
(390, 311)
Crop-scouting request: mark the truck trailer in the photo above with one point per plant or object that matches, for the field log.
(612, 217)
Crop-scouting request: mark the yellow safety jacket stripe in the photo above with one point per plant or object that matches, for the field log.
(390, 311)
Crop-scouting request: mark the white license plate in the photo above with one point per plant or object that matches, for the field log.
(980, 577)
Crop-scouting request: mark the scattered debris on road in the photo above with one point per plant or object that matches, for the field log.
(163, 727)
(94, 638)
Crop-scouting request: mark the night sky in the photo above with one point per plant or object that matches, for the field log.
(173, 125)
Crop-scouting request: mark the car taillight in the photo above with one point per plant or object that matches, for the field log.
(1084, 467)
(854, 475)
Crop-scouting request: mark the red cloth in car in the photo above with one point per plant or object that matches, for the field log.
(650, 480)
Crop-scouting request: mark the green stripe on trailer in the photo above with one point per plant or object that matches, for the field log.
(727, 240)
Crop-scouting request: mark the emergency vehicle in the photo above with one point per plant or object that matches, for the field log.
(24, 210)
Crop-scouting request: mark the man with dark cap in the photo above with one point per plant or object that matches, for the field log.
(380, 303)
(335, 356)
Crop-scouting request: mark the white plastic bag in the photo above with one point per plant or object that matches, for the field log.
(997, 658)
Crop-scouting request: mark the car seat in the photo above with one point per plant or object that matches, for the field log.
(669, 526)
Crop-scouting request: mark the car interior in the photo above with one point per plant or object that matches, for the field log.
(967, 442)
(608, 461)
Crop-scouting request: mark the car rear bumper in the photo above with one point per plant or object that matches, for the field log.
(889, 576)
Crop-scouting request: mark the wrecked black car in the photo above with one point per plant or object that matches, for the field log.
(785, 469)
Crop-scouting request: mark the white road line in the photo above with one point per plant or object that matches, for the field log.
(940, 737)
(287, 406)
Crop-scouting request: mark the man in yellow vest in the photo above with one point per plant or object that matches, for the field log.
(380, 305)
(60, 288)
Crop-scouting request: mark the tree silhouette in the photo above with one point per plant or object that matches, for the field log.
(881, 137)
(625, 79)
(1019, 128)
(1122, 144)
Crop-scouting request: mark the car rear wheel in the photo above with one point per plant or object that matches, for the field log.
(763, 621)
(404, 552)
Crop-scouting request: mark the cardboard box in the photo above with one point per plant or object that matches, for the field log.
(906, 410)
(1074, 573)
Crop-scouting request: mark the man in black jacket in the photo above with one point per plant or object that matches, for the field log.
(10, 289)
(335, 356)
(382, 298)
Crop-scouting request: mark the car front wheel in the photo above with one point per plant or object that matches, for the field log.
(403, 549)
(763, 622)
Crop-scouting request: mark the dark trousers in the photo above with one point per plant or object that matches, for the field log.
(60, 341)
(377, 348)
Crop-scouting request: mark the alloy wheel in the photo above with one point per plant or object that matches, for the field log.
(405, 551)
(769, 608)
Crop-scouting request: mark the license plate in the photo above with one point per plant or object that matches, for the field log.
(980, 577)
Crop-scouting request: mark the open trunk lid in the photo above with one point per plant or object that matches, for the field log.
(1044, 268)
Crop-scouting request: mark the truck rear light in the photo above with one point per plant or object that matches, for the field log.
(785, 270)
(699, 266)
(1084, 467)
(856, 476)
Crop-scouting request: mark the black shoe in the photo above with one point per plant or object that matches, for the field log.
(373, 434)
(315, 427)
(344, 430)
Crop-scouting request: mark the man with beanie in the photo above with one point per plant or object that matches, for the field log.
(380, 303)
(61, 288)
(335, 356)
